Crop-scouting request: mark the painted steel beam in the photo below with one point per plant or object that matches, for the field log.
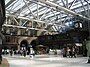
(11, 1)
(26, 18)
(23, 7)
(21, 27)
(63, 8)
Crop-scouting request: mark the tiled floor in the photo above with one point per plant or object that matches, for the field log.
(47, 61)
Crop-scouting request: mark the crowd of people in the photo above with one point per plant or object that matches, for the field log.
(22, 52)
(65, 52)
(69, 52)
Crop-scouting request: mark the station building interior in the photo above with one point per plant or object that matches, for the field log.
(46, 25)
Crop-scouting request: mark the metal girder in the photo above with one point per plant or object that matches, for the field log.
(16, 21)
(11, 1)
(29, 9)
(38, 4)
(67, 4)
(55, 28)
(23, 7)
(42, 7)
(44, 13)
(63, 3)
(30, 2)
(24, 23)
(14, 26)
(34, 10)
(64, 13)
(72, 3)
(41, 10)
(88, 11)
(53, 15)
(22, 26)
(83, 6)
(37, 12)
(64, 9)
(26, 18)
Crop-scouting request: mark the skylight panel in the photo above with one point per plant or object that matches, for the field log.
(34, 7)
(78, 5)
(6, 1)
(21, 14)
(61, 4)
(49, 15)
(18, 5)
(59, 1)
(26, 9)
(69, 1)
(42, 4)
(40, 11)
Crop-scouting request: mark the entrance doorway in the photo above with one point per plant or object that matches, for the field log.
(24, 44)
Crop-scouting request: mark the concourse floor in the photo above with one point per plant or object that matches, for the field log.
(46, 61)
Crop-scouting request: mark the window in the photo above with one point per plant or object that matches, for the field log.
(7, 39)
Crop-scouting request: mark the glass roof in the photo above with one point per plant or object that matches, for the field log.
(39, 10)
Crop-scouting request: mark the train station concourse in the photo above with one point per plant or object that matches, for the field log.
(44, 33)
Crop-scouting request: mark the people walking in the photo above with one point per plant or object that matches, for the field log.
(32, 53)
(24, 53)
(73, 52)
(88, 49)
(68, 52)
(64, 51)
(11, 52)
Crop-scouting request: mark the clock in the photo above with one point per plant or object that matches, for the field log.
(78, 25)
